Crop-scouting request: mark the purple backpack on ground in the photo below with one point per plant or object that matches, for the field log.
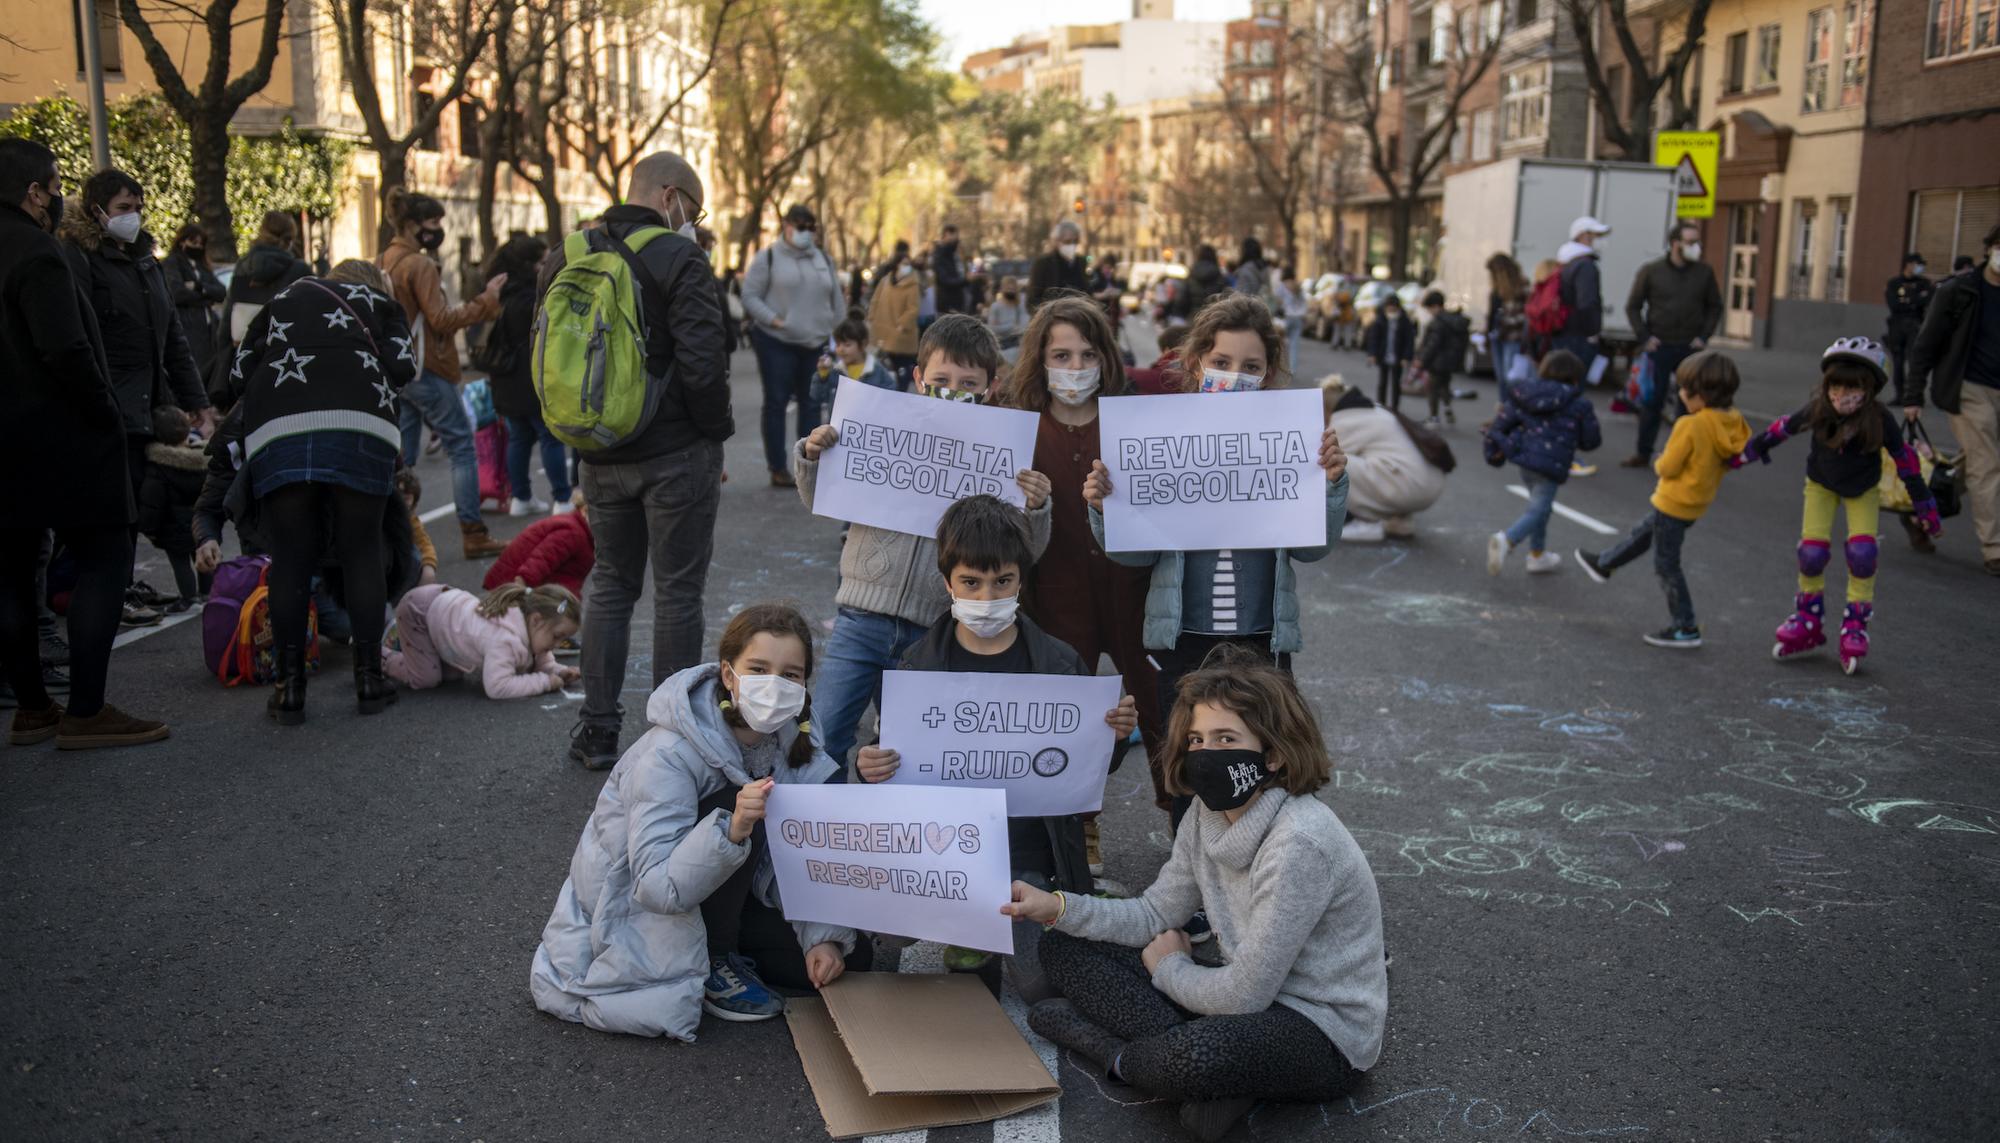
(234, 581)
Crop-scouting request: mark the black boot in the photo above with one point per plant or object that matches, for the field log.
(372, 691)
(288, 697)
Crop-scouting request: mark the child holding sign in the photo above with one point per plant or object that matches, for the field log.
(983, 548)
(1296, 1009)
(1200, 600)
(1069, 359)
(671, 906)
(887, 596)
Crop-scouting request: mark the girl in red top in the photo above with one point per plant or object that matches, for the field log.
(1069, 358)
(554, 549)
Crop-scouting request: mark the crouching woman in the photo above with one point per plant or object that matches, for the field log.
(1295, 1009)
(671, 906)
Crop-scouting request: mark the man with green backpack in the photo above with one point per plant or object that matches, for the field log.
(629, 363)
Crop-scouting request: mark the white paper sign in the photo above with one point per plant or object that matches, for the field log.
(902, 458)
(911, 861)
(1204, 471)
(1041, 738)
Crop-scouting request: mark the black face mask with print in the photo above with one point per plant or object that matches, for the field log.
(1225, 779)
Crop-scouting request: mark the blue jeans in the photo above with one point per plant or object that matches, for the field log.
(1663, 534)
(1503, 354)
(1295, 328)
(1533, 526)
(432, 400)
(787, 371)
(1666, 360)
(522, 433)
(862, 646)
(1583, 347)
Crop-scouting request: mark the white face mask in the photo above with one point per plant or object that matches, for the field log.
(123, 227)
(801, 239)
(1691, 251)
(1068, 249)
(1073, 386)
(1917, 270)
(904, 271)
(1993, 259)
(1219, 381)
(767, 702)
(985, 617)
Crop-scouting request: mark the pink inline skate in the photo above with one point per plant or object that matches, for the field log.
(1805, 628)
(1854, 636)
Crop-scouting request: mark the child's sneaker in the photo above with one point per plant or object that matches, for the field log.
(1685, 638)
(734, 991)
(1577, 468)
(528, 507)
(1588, 562)
(1362, 532)
(1543, 563)
(1496, 552)
(1197, 928)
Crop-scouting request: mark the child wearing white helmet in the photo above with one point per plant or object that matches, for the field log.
(1849, 429)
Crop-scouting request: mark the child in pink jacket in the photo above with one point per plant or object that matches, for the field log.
(507, 638)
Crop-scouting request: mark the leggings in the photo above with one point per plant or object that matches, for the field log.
(294, 518)
(737, 922)
(103, 559)
(1816, 534)
(1175, 1054)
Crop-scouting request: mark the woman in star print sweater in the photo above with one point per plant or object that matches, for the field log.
(317, 375)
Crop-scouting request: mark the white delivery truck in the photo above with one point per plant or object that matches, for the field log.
(1523, 207)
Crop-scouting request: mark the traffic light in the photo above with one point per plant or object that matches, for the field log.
(1078, 206)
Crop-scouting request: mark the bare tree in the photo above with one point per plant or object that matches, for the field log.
(208, 107)
(1362, 71)
(1278, 133)
(464, 28)
(1630, 129)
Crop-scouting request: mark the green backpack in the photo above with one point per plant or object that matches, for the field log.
(588, 357)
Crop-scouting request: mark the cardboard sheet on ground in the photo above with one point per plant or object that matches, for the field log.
(902, 458)
(889, 1052)
(915, 861)
(1202, 471)
(1040, 738)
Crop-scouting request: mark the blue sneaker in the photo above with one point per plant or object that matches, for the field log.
(733, 991)
(1197, 929)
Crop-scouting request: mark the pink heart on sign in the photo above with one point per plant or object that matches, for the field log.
(940, 837)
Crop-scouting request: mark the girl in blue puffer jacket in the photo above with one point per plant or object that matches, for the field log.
(1543, 423)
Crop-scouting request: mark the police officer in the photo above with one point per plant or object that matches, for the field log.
(1908, 295)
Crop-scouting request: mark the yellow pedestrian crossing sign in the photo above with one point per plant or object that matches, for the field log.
(1692, 155)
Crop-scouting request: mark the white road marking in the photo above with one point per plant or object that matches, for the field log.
(126, 638)
(1042, 1124)
(1591, 522)
(437, 513)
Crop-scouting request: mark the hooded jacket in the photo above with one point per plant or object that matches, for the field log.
(1582, 290)
(195, 290)
(554, 549)
(143, 344)
(1691, 466)
(1542, 425)
(56, 381)
(167, 495)
(625, 949)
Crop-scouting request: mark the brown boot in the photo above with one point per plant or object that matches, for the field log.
(32, 726)
(108, 727)
(479, 544)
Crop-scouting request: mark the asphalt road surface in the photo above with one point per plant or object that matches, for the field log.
(1631, 893)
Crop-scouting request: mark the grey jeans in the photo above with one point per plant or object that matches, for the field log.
(660, 510)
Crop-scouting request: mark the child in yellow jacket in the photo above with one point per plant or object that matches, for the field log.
(1705, 439)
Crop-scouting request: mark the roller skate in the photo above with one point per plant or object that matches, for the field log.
(1854, 636)
(1805, 628)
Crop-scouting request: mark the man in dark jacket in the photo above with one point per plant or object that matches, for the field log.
(658, 494)
(1440, 352)
(69, 449)
(1957, 352)
(1908, 296)
(111, 256)
(1582, 290)
(1060, 267)
(1674, 308)
(195, 290)
(948, 272)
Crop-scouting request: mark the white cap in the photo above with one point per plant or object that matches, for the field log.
(1587, 225)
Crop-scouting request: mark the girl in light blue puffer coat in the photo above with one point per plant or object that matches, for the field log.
(671, 907)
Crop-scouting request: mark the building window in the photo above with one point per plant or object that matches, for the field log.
(1524, 103)
(1459, 138)
(1962, 27)
(110, 47)
(1819, 56)
(1735, 60)
(1395, 151)
(1526, 12)
(1953, 220)
(1238, 52)
(1260, 90)
(1490, 13)
(1482, 135)
(1421, 28)
(1855, 29)
(1767, 56)
(468, 130)
(1264, 53)
(1842, 210)
(1805, 230)
(1443, 24)
(420, 106)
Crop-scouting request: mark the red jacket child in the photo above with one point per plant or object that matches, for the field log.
(557, 549)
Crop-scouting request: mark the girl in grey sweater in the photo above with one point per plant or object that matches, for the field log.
(1296, 1009)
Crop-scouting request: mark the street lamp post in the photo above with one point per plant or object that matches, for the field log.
(93, 76)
